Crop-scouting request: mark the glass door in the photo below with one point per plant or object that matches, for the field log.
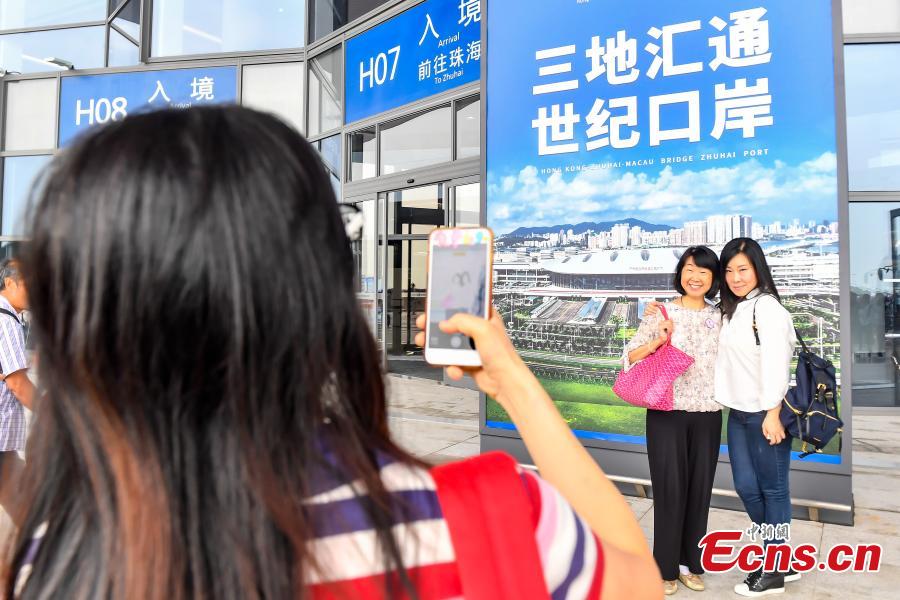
(465, 195)
(410, 214)
(365, 258)
(892, 335)
(392, 260)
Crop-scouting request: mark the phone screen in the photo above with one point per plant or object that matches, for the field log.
(458, 284)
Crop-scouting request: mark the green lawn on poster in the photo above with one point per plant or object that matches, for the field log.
(594, 407)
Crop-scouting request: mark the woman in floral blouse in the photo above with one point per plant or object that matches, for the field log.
(683, 444)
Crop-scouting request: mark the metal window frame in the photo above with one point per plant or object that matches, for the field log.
(55, 27)
(869, 197)
(2, 181)
(867, 39)
(881, 197)
(282, 59)
(338, 93)
(456, 168)
(871, 38)
(84, 25)
(400, 119)
(373, 18)
(148, 57)
(4, 90)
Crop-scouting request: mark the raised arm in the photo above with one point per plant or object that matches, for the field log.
(651, 334)
(630, 570)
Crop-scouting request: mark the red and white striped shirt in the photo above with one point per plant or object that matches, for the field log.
(350, 565)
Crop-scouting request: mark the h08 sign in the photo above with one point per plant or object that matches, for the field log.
(88, 100)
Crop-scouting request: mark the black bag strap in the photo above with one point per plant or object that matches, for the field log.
(756, 329)
(802, 343)
(824, 394)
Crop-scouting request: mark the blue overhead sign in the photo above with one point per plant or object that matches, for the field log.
(427, 49)
(88, 100)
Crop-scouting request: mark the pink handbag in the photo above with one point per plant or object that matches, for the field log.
(648, 383)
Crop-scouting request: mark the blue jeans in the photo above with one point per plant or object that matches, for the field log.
(760, 470)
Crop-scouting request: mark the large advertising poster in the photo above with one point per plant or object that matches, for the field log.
(619, 133)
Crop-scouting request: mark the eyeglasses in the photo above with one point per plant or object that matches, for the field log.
(354, 220)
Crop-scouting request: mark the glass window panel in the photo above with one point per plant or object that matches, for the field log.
(366, 247)
(415, 210)
(9, 250)
(416, 141)
(129, 19)
(362, 154)
(330, 151)
(30, 115)
(873, 117)
(875, 302)
(276, 88)
(468, 128)
(326, 16)
(315, 110)
(468, 204)
(325, 83)
(405, 292)
(330, 148)
(26, 52)
(19, 174)
(19, 14)
(122, 53)
(336, 186)
(208, 26)
(871, 16)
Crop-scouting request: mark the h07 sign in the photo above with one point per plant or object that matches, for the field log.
(425, 50)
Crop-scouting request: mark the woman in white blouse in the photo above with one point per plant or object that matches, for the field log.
(752, 375)
(683, 444)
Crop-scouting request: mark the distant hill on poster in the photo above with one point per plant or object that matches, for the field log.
(586, 226)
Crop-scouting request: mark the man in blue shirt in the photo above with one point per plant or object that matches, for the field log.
(16, 390)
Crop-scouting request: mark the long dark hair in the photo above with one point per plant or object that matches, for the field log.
(199, 344)
(754, 253)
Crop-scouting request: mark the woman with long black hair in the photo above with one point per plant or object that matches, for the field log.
(752, 376)
(211, 419)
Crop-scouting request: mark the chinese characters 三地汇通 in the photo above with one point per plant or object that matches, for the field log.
(743, 106)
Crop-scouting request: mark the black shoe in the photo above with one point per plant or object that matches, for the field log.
(753, 576)
(765, 584)
(792, 575)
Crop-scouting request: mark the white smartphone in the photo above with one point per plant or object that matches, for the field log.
(459, 280)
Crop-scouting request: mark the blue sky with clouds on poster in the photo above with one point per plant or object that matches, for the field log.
(796, 178)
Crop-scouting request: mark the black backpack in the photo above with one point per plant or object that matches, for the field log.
(809, 411)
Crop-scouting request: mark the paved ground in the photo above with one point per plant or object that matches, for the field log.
(439, 423)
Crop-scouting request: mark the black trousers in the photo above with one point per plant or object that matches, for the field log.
(683, 449)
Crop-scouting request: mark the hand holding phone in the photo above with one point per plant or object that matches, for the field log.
(459, 281)
(502, 371)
